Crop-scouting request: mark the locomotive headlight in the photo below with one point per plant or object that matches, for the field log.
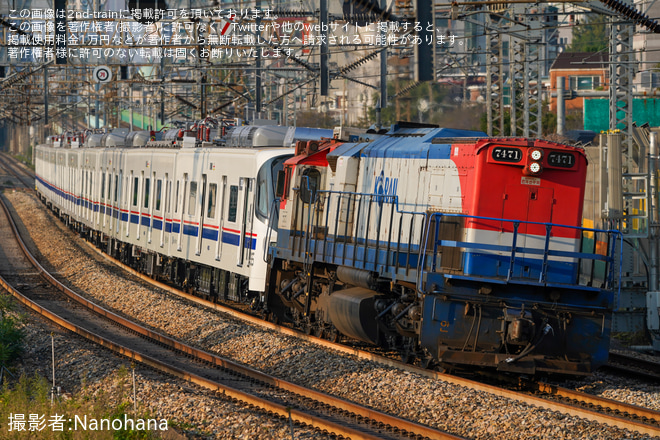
(536, 154)
(535, 168)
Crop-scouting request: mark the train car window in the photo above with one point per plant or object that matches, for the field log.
(103, 185)
(135, 191)
(91, 184)
(262, 193)
(168, 195)
(213, 194)
(309, 182)
(233, 203)
(176, 205)
(192, 198)
(159, 190)
(109, 185)
(116, 187)
(147, 187)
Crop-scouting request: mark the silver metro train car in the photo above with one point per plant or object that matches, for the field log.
(195, 217)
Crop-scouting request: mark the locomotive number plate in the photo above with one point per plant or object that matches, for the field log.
(564, 160)
(506, 154)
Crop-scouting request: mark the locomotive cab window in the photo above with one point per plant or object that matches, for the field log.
(309, 183)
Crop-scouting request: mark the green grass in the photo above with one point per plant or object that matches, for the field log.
(31, 396)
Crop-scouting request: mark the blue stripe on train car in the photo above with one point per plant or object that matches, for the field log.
(146, 221)
(235, 239)
(158, 224)
(135, 218)
(176, 228)
(190, 230)
(210, 234)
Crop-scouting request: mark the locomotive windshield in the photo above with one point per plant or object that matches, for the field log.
(266, 181)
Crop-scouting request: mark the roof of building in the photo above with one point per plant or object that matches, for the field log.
(580, 60)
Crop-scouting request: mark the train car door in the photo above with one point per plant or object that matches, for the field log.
(183, 209)
(532, 204)
(221, 220)
(246, 243)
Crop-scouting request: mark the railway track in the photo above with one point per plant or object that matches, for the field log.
(326, 413)
(550, 397)
(634, 367)
(16, 172)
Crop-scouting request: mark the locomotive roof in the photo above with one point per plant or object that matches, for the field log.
(407, 142)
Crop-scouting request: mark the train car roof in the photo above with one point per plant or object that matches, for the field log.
(408, 143)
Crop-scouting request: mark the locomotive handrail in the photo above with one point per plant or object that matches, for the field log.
(546, 252)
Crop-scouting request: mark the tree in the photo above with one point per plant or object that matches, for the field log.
(591, 36)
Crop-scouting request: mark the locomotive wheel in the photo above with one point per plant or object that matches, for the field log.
(426, 362)
(407, 357)
(333, 336)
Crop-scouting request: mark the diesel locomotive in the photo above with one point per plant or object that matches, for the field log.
(455, 249)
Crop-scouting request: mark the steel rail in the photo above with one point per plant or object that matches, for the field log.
(9, 163)
(358, 410)
(589, 399)
(648, 370)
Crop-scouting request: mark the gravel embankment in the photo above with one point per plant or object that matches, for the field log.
(460, 410)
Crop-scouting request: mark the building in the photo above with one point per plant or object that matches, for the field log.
(584, 71)
(647, 50)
